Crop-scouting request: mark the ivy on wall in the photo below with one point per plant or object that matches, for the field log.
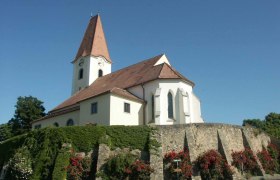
(45, 144)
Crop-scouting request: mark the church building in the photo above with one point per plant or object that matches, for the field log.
(148, 92)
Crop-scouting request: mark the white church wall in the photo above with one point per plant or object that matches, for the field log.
(137, 91)
(173, 86)
(119, 117)
(61, 120)
(96, 64)
(150, 89)
(197, 109)
(91, 65)
(77, 83)
(186, 107)
(103, 110)
(162, 60)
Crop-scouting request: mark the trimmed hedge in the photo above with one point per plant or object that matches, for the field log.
(45, 144)
(61, 162)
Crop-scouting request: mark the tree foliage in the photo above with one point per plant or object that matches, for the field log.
(5, 132)
(271, 124)
(27, 110)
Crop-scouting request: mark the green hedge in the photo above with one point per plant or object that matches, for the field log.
(84, 138)
(45, 144)
(62, 161)
(8, 148)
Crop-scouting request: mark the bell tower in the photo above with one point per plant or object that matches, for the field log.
(92, 60)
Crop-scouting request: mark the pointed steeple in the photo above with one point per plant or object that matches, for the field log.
(94, 42)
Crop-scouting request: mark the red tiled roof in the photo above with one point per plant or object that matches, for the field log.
(94, 42)
(130, 76)
(57, 113)
(125, 94)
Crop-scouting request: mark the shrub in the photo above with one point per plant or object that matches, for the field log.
(269, 159)
(125, 166)
(212, 165)
(19, 166)
(139, 170)
(266, 161)
(79, 167)
(274, 151)
(245, 161)
(184, 168)
(62, 161)
(8, 148)
(115, 167)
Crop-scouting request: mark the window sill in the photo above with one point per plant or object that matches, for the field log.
(170, 120)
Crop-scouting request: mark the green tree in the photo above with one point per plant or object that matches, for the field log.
(5, 132)
(27, 110)
(257, 123)
(271, 124)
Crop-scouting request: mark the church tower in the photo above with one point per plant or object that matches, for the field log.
(92, 60)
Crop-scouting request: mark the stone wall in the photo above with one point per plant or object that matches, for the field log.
(205, 136)
(198, 138)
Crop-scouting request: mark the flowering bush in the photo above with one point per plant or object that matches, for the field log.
(78, 168)
(274, 151)
(184, 169)
(20, 165)
(270, 159)
(245, 161)
(212, 165)
(267, 161)
(125, 166)
(139, 170)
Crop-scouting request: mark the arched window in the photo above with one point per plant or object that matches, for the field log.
(81, 73)
(153, 107)
(100, 73)
(55, 124)
(170, 106)
(70, 122)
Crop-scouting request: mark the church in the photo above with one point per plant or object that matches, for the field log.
(148, 92)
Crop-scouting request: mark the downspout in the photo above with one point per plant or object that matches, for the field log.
(144, 105)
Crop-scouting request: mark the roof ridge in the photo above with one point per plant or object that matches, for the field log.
(146, 60)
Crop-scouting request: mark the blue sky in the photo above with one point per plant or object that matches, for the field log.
(230, 49)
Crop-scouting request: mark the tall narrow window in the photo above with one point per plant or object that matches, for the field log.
(127, 107)
(94, 108)
(70, 122)
(153, 107)
(100, 73)
(170, 106)
(81, 73)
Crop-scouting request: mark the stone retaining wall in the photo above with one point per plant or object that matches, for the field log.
(198, 138)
